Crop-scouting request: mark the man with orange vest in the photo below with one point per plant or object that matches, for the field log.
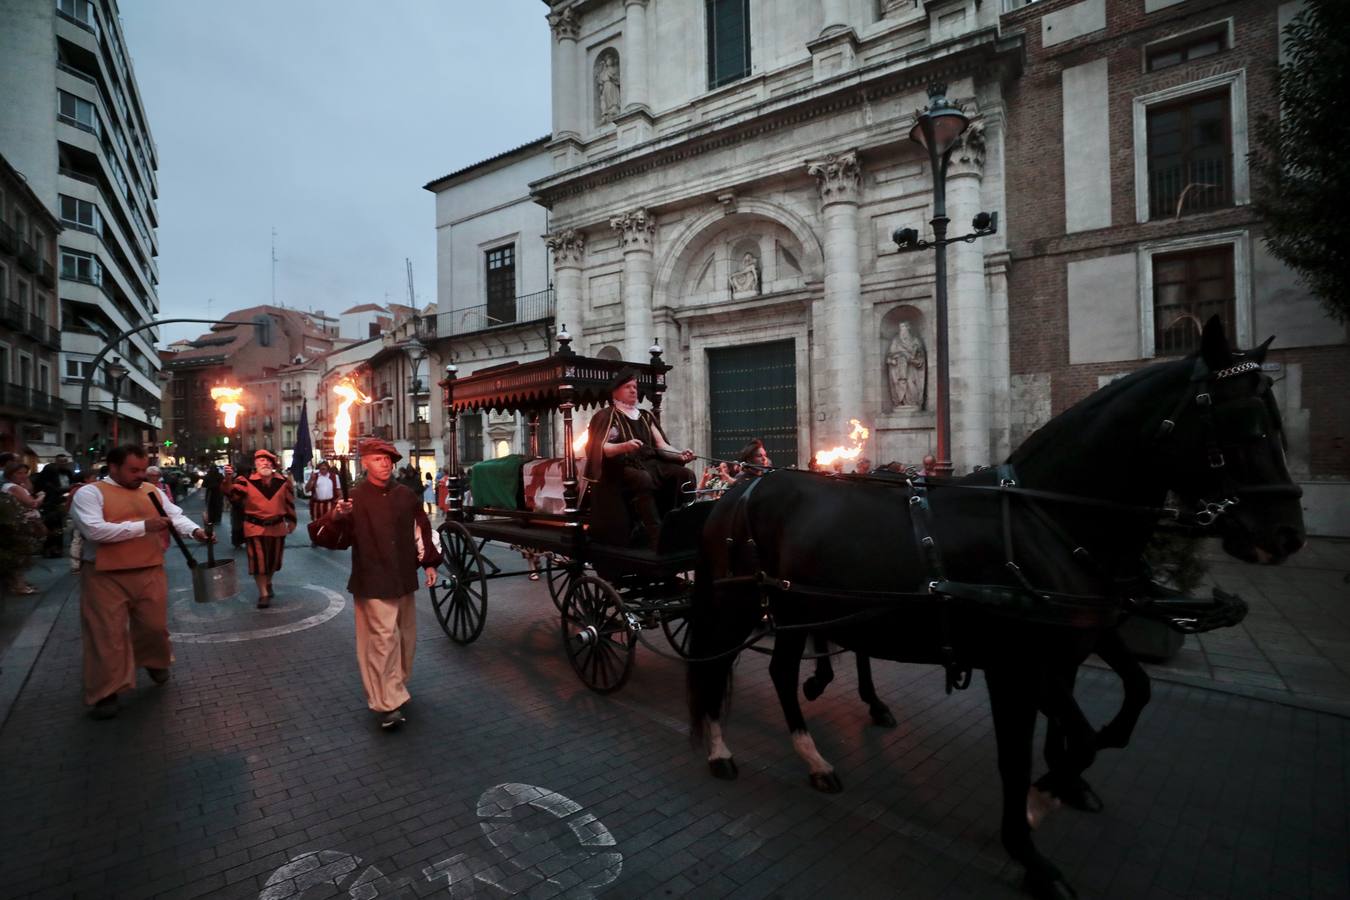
(123, 590)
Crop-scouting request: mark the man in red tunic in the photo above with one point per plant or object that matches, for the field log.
(269, 515)
(391, 537)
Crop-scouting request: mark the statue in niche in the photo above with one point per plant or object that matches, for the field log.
(607, 86)
(745, 280)
(907, 367)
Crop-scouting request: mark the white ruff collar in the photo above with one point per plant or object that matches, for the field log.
(629, 411)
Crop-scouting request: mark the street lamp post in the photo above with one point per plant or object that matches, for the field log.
(116, 372)
(417, 352)
(937, 129)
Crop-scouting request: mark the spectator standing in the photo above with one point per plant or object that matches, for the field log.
(20, 490)
(54, 482)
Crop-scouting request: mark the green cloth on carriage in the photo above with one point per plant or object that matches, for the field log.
(497, 483)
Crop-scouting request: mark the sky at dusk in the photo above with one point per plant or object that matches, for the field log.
(323, 121)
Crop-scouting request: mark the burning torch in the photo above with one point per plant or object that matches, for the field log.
(836, 455)
(348, 393)
(229, 405)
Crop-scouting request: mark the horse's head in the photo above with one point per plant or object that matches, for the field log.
(1227, 453)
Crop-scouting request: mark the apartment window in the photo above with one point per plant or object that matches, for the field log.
(4, 364)
(1184, 48)
(82, 214)
(21, 294)
(44, 378)
(79, 266)
(728, 41)
(81, 11)
(4, 283)
(501, 285)
(25, 371)
(78, 112)
(1188, 288)
(1190, 156)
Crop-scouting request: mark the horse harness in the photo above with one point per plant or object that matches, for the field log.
(1024, 601)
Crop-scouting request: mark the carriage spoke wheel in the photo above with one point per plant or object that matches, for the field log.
(675, 623)
(596, 636)
(559, 574)
(461, 603)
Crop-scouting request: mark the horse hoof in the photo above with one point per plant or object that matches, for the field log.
(723, 768)
(1081, 796)
(1051, 887)
(882, 718)
(827, 782)
(813, 687)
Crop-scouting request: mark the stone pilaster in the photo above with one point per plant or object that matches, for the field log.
(836, 49)
(970, 319)
(839, 321)
(637, 230)
(635, 123)
(566, 117)
(568, 247)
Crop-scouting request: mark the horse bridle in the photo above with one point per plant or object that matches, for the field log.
(1229, 490)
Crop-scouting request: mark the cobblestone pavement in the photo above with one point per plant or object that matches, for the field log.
(257, 772)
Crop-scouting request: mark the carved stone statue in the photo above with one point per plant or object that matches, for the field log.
(907, 367)
(745, 280)
(607, 86)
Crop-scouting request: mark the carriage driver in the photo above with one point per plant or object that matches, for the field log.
(629, 455)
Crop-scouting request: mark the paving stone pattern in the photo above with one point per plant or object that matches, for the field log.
(257, 772)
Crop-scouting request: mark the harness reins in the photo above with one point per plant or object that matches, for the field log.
(1025, 600)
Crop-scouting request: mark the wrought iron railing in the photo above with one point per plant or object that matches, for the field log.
(524, 309)
(1197, 186)
(31, 400)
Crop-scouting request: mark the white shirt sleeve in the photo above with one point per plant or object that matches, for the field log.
(181, 523)
(88, 505)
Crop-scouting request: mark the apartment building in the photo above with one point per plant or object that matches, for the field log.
(31, 409)
(75, 127)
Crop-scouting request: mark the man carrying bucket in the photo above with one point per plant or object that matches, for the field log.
(123, 590)
(391, 537)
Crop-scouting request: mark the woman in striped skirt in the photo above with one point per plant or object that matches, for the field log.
(269, 515)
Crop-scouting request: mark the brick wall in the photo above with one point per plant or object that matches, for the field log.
(1039, 246)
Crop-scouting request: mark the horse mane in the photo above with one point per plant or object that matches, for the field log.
(1084, 417)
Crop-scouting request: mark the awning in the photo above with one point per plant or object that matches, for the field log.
(47, 452)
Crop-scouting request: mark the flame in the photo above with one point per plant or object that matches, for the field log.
(227, 401)
(857, 437)
(348, 393)
(579, 444)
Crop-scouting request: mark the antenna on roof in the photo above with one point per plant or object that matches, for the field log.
(412, 297)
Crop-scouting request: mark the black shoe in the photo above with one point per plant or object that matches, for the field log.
(158, 676)
(392, 719)
(264, 601)
(105, 708)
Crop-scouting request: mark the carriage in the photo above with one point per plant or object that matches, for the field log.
(606, 594)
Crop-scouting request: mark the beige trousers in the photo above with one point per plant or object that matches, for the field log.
(124, 621)
(386, 639)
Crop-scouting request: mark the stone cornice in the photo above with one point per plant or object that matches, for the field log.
(980, 52)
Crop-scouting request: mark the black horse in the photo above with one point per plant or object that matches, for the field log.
(1017, 571)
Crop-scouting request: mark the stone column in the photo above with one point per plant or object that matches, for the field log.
(567, 246)
(968, 310)
(566, 122)
(839, 326)
(835, 15)
(636, 231)
(635, 59)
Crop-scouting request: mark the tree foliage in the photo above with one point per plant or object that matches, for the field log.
(1302, 155)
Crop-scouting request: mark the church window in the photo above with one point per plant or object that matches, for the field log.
(728, 41)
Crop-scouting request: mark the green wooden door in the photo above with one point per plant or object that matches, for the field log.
(753, 394)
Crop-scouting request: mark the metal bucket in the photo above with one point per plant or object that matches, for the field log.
(214, 580)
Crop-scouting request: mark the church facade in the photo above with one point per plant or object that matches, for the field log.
(738, 212)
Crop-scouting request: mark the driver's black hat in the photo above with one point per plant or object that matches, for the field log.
(622, 377)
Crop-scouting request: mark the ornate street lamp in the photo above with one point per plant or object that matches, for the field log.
(938, 128)
(417, 352)
(116, 372)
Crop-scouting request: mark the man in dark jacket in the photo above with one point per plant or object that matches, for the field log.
(391, 537)
(54, 481)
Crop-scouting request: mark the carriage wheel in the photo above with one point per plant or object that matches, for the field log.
(559, 576)
(596, 636)
(675, 624)
(461, 606)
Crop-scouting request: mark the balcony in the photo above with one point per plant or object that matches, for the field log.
(12, 316)
(32, 401)
(28, 257)
(522, 310)
(292, 396)
(1197, 186)
(48, 274)
(290, 419)
(44, 333)
(383, 432)
(419, 433)
(9, 238)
